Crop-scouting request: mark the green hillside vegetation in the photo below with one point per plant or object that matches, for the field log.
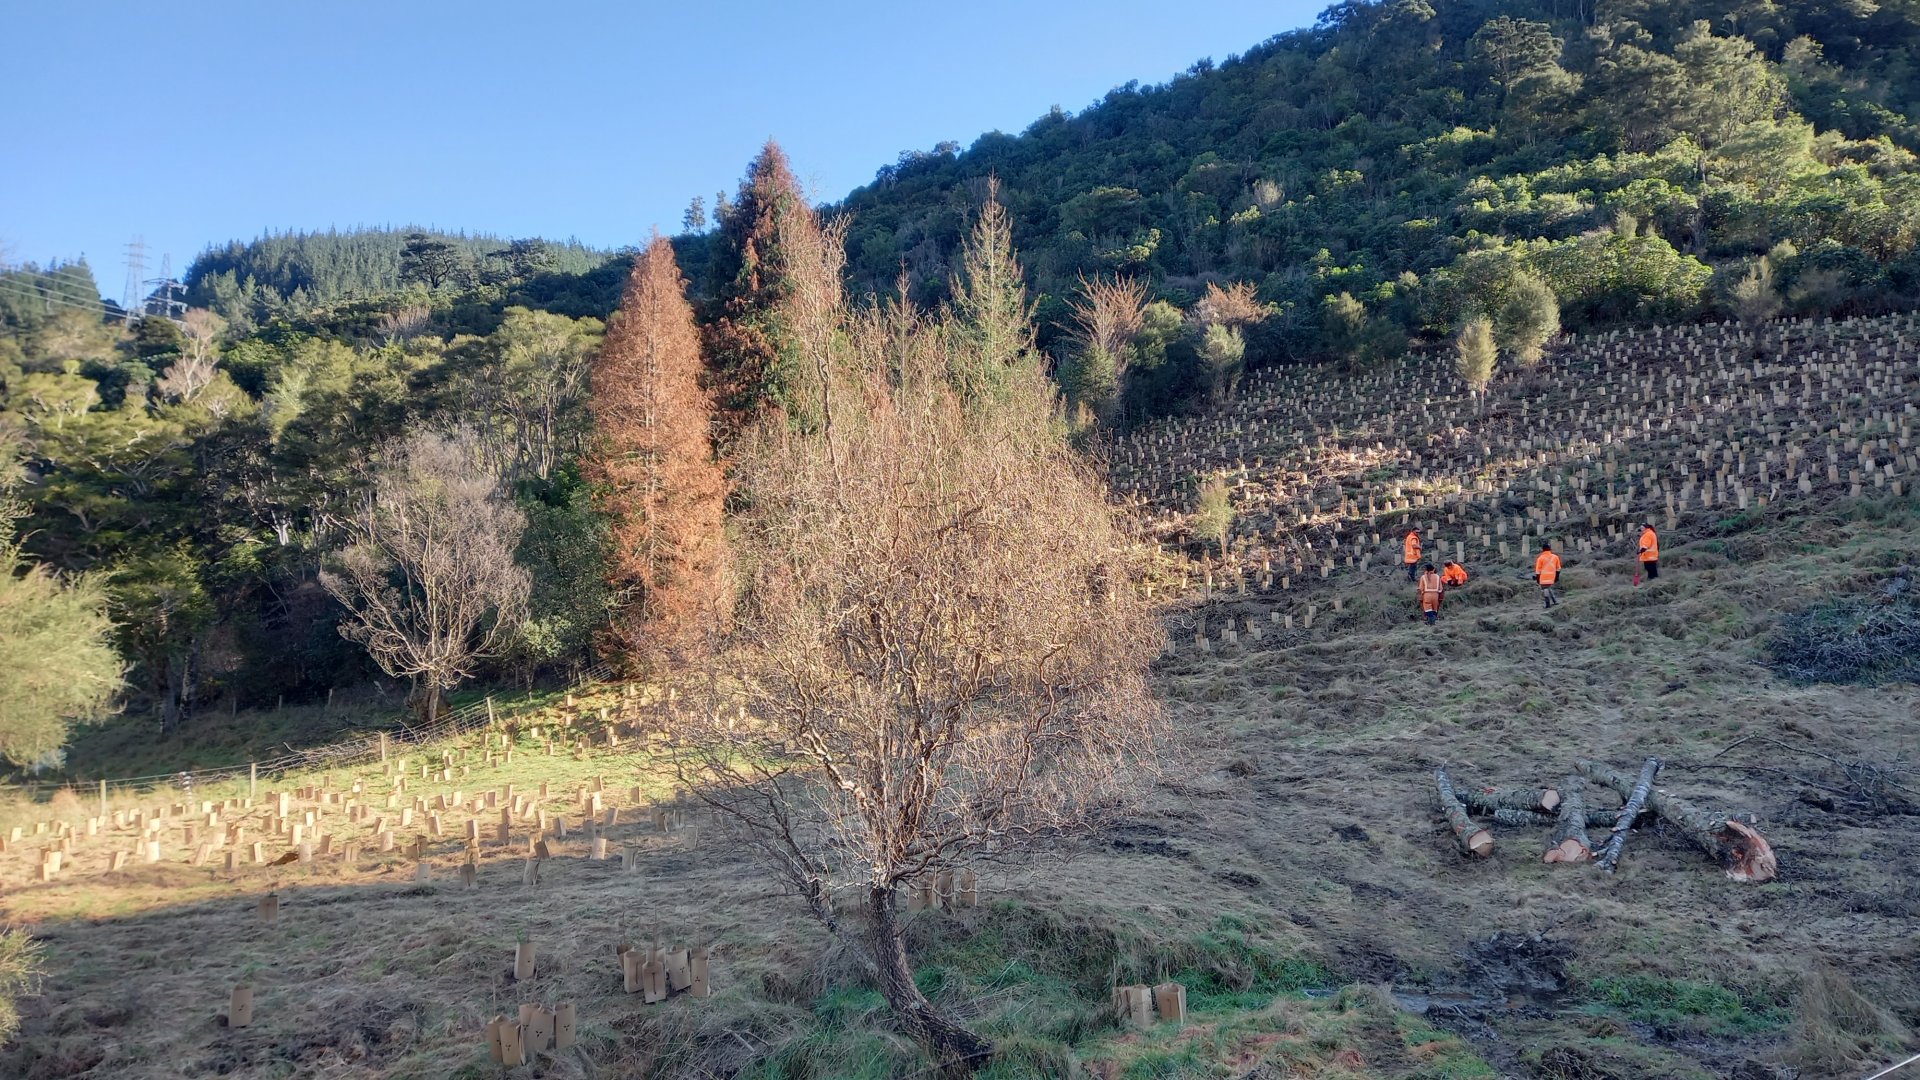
(251, 282)
(1374, 184)
(1402, 166)
(1287, 867)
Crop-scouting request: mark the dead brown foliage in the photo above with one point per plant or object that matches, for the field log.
(654, 469)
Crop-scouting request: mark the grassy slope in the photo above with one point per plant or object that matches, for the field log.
(1293, 854)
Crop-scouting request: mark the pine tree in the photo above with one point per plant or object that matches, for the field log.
(990, 303)
(654, 469)
(752, 333)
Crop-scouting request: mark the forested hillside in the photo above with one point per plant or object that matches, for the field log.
(293, 273)
(1399, 173)
(1400, 164)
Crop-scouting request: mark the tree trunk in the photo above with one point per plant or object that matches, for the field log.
(1595, 818)
(1488, 801)
(1739, 849)
(956, 1046)
(1636, 797)
(425, 701)
(169, 703)
(1473, 839)
(1569, 841)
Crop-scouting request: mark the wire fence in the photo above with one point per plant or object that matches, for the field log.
(364, 747)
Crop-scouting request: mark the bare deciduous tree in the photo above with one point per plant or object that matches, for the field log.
(199, 360)
(404, 323)
(1108, 313)
(943, 652)
(1106, 317)
(429, 576)
(1235, 306)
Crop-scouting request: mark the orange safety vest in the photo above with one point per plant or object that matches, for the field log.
(1453, 574)
(1430, 591)
(1413, 548)
(1649, 546)
(1547, 568)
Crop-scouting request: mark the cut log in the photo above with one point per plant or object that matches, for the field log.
(1472, 839)
(1636, 797)
(1569, 841)
(1597, 818)
(1740, 850)
(1489, 801)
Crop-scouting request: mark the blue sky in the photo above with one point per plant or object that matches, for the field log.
(198, 122)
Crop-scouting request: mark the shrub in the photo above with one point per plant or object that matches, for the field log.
(20, 970)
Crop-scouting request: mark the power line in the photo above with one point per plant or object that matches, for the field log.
(71, 286)
(45, 291)
(50, 296)
(54, 278)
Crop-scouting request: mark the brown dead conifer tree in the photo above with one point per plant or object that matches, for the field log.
(654, 470)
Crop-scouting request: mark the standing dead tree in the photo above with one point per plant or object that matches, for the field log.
(654, 470)
(941, 655)
(429, 575)
(1106, 317)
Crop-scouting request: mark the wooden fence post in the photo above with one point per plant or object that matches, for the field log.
(253, 779)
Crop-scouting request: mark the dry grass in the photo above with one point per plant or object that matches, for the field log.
(1291, 849)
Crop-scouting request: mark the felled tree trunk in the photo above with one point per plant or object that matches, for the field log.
(1472, 839)
(1595, 819)
(1636, 796)
(1739, 848)
(1490, 801)
(1569, 841)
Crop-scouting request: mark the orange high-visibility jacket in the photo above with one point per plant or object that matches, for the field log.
(1429, 591)
(1547, 568)
(1649, 546)
(1413, 548)
(1453, 574)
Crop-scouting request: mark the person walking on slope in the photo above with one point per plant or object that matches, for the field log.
(1546, 571)
(1430, 593)
(1412, 547)
(1649, 552)
(1453, 575)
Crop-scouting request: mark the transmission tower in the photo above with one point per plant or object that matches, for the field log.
(166, 293)
(136, 271)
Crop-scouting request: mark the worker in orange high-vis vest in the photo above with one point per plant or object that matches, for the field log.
(1453, 575)
(1649, 551)
(1430, 592)
(1546, 571)
(1412, 547)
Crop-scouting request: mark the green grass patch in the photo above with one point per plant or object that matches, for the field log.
(1683, 1005)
